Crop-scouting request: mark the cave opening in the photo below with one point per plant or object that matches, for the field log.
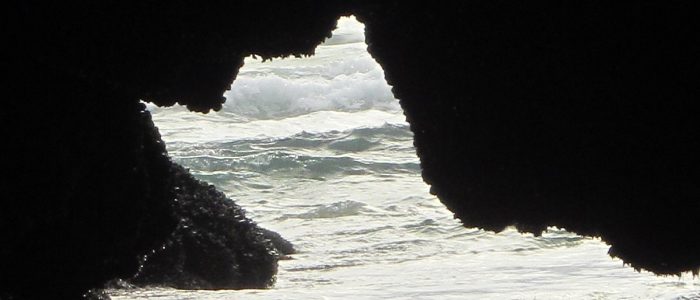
(318, 149)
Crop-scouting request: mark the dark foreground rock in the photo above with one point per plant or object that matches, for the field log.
(214, 246)
(94, 191)
(577, 114)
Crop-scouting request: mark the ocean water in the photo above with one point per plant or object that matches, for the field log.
(318, 150)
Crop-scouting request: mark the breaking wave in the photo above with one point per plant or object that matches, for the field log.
(342, 76)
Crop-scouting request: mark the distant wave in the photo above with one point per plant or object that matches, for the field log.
(375, 136)
(293, 164)
(341, 76)
(308, 154)
(274, 96)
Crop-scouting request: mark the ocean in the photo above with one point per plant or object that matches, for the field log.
(317, 149)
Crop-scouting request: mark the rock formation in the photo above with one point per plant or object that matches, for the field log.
(570, 115)
(213, 245)
(526, 114)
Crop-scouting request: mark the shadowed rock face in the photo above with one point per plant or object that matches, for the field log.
(532, 115)
(214, 246)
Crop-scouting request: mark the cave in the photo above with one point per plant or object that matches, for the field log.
(523, 114)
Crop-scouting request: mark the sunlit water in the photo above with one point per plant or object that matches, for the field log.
(318, 150)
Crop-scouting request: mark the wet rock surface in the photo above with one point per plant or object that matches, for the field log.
(214, 246)
(526, 114)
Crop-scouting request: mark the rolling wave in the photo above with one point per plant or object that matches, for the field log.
(353, 152)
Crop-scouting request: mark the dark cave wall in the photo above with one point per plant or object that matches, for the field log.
(166, 51)
(91, 195)
(574, 115)
(88, 187)
(527, 114)
(85, 187)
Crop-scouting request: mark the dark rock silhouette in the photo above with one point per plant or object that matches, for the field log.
(576, 115)
(539, 115)
(213, 246)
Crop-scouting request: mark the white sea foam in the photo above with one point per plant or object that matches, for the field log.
(342, 76)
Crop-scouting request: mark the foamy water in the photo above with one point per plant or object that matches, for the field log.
(318, 150)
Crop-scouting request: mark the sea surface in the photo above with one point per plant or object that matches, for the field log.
(317, 149)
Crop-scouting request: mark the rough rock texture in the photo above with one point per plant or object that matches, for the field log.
(213, 245)
(527, 114)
